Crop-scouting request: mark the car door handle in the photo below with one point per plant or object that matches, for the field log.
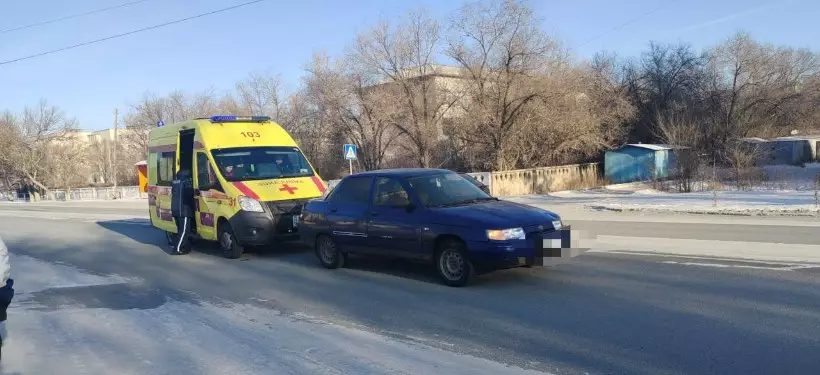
(333, 210)
(374, 213)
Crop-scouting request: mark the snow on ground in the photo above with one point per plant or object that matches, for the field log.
(66, 321)
(643, 198)
(791, 177)
(796, 203)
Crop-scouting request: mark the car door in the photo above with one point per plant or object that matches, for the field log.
(347, 210)
(206, 194)
(393, 225)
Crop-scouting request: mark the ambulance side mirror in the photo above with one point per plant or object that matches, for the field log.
(212, 186)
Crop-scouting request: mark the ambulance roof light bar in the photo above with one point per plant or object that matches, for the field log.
(240, 118)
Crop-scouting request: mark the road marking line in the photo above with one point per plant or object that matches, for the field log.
(717, 265)
(713, 258)
(745, 250)
(785, 266)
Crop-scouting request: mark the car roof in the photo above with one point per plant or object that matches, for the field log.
(401, 172)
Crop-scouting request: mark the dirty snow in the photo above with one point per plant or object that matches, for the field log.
(71, 332)
(642, 197)
(796, 203)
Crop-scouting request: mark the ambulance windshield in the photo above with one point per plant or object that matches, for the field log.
(261, 163)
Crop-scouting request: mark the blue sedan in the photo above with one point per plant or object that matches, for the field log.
(433, 215)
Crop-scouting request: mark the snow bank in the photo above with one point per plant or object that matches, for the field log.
(747, 203)
(788, 203)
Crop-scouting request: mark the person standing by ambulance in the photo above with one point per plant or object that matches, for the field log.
(182, 209)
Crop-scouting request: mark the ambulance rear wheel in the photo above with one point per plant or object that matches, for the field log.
(231, 248)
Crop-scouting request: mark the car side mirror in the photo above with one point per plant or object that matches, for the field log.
(410, 207)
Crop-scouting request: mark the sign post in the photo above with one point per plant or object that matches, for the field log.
(350, 154)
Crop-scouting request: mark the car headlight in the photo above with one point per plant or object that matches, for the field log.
(250, 204)
(506, 234)
(557, 224)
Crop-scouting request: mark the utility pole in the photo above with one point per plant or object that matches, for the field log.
(116, 143)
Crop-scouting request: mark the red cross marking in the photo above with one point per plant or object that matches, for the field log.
(287, 188)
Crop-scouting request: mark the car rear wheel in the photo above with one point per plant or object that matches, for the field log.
(231, 248)
(453, 265)
(328, 253)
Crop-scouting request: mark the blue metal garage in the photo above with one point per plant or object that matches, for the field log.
(639, 162)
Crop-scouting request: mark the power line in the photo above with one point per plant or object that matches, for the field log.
(65, 18)
(627, 23)
(181, 20)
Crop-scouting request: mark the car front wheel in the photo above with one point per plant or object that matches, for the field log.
(453, 265)
(328, 253)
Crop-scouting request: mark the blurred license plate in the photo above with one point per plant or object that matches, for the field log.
(296, 220)
(552, 243)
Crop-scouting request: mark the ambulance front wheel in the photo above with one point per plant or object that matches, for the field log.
(231, 248)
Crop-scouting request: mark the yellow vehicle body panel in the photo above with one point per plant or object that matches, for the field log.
(213, 204)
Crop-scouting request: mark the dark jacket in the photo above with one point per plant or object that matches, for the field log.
(182, 195)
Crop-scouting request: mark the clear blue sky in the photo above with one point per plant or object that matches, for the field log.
(280, 36)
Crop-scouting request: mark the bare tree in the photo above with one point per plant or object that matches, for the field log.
(506, 59)
(11, 141)
(260, 94)
(176, 107)
(30, 138)
(68, 162)
(686, 134)
(760, 89)
(404, 57)
(364, 111)
(742, 157)
(667, 78)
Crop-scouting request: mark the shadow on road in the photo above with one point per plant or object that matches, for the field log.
(140, 230)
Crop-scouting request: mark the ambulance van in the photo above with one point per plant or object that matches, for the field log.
(250, 180)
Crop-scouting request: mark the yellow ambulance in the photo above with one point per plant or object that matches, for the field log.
(250, 180)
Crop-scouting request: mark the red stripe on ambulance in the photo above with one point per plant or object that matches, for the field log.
(245, 190)
(319, 184)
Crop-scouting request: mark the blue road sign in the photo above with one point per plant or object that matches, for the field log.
(350, 152)
(160, 123)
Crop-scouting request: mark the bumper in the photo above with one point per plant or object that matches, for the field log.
(262, 228)
(545, 249)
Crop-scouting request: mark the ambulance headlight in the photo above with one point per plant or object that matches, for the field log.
(250, 204)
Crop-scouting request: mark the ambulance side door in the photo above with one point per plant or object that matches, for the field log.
(165, 170)
(207, 191)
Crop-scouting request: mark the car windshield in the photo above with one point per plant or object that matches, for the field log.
(446, 189)
(261, 163)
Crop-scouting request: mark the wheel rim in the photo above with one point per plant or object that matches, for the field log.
(226, 240)
(327, 251)
(451, 264)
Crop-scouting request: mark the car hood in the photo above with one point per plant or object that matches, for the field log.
(494, 214)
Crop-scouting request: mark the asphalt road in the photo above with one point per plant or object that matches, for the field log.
(602, 314)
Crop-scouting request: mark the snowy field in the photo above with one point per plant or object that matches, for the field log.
(66, 321)
(784, 191)
(763, 203)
